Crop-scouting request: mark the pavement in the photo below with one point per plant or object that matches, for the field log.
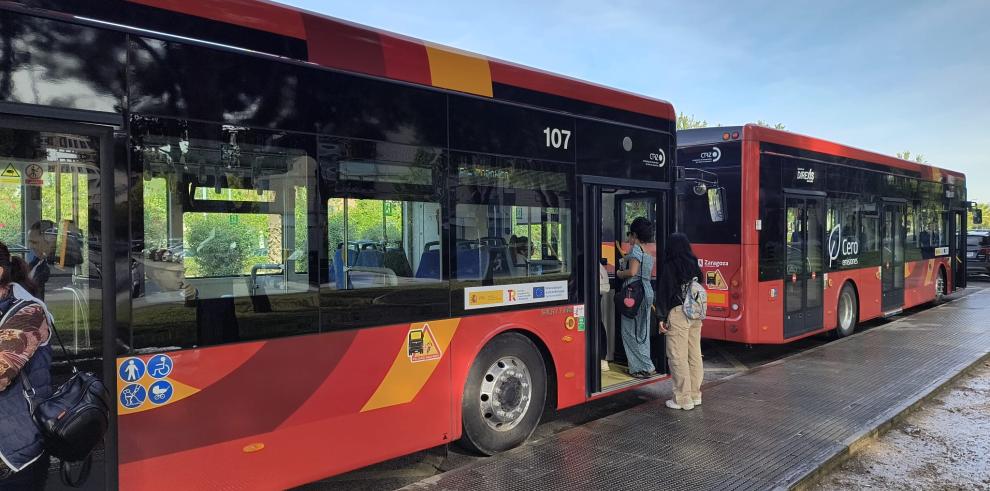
(781, 425)
(944, 444)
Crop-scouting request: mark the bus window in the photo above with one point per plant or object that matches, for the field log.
(512, 221)
(224, 252)
(389, 243)
(385, 252)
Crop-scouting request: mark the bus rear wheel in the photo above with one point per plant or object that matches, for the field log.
(847, 311)
(940, 286)
(504, 395)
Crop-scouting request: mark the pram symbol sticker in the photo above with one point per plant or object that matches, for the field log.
(160, 366)
(131, 370)
(133, 396)
(421, 345)
(160, 392)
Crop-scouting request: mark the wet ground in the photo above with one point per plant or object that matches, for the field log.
(721, 360)
(945, 444)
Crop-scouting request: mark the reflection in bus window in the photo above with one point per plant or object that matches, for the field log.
(389, 243)
(225, 250)
(512, 220)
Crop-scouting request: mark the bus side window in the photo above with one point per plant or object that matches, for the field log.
(225, 248)
(385, 251)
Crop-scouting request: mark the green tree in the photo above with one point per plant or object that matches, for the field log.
(776, 126)
(221, 243)
(985, 207)
(685, 122)
(906, 155)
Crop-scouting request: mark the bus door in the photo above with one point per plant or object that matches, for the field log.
(609, 210)
(957, 248)
(892, 256)
(52, 214)
(804, 283)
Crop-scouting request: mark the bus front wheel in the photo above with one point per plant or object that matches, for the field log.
(504, 394)
(847, 310)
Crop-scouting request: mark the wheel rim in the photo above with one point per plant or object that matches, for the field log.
(846, 311)
(506, 392)
(940, 286)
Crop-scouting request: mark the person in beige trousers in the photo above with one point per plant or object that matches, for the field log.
(679, 266)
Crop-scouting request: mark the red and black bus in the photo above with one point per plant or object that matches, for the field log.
(815, 235)
(295, 246)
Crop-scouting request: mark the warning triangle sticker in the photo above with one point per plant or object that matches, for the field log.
(10, 171)
(421, 345)
(715, 281)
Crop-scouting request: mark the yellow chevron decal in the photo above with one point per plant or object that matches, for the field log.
(420, 353)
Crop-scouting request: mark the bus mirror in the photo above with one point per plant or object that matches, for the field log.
(977, 216)
(716, 204)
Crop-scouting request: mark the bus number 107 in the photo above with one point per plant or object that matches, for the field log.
(557, 138)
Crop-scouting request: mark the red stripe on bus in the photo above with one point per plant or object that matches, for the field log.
(253, 14)
(538, 80)
(344, 46)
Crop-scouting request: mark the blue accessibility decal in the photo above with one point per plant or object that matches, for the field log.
(161, 392)
(133, 396)
(131, 370)
(160, 366)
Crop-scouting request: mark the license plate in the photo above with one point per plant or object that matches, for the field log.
(971, 254)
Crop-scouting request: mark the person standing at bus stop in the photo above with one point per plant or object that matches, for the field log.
(679, 267)
(25, 329)
(637, 266)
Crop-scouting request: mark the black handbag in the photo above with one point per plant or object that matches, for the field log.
(73, 419)
(629, 298)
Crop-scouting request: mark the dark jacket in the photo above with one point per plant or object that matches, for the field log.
(674, 273)
(20, 439)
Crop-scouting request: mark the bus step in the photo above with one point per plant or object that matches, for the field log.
(892, 313)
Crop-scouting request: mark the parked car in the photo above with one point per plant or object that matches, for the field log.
(978, 253)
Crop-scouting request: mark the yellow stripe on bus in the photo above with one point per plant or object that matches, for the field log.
(458, 70)
(407, 377)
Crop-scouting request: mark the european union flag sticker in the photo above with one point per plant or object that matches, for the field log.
(538, 292)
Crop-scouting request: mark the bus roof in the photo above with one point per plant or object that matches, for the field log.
(339, 44)
(755, 132)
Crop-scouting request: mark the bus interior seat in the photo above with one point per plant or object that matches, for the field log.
(471, 261)
(429, 262)
(396, 260)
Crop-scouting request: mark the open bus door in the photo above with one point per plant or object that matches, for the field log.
(609, 210)
(55, 213)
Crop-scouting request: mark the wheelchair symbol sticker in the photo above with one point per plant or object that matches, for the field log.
(160, 366)
(161, 392)
(133, 395)
(131, 370)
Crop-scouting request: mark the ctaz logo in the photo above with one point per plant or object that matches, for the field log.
(713, 155)
(657, 159)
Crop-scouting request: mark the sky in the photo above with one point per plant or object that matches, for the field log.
(886, 76)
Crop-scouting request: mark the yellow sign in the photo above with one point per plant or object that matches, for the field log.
(489, 297)
(10, 171)
(422, 346)
(570, 323)
(9, 175)
(715, 281)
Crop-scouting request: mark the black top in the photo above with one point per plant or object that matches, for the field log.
(674, 273)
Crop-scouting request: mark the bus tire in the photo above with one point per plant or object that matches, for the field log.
(940, 286)
(504, 395)
(847, 311)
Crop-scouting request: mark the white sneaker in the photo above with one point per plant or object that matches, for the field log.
(673, 405)
(697, 402)
(605, 366)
